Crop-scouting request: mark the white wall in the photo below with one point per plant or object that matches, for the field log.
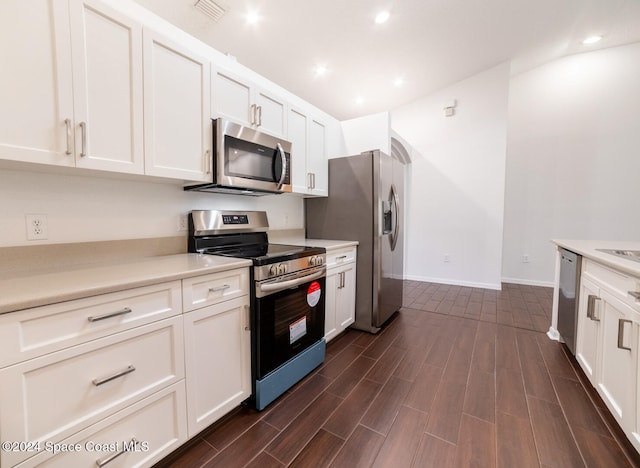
(82, 208)
(573, 165)
(456, 186)
(367, 133)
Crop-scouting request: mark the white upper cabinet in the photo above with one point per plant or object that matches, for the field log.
(176, 110)
(308, 136)
(240, 100)
(107, 81)
(83, 110)
(37, 93)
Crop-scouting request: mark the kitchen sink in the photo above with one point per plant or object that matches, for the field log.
(629, 254)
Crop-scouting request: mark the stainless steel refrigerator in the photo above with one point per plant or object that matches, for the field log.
(365, 199)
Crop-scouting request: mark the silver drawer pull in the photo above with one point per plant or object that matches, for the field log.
(634, 294)
(591, 307)
(95, 318)
(621, 323)
(128, 370)
(219, 288)
(100, 462)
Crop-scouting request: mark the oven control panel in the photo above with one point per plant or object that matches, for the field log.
(235, 219)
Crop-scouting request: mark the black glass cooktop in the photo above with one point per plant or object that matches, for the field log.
(263, 254)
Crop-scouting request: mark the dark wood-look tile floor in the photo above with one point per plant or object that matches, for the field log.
(456, 385)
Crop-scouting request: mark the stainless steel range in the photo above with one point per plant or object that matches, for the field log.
(287, 297)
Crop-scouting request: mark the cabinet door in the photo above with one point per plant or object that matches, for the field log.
(588, 333)
(232, 98)
(616, 377)
(330, 328)
(298, 136)
(218, 361)
(176, 110)
(36, 82)
(346, 303)
(317, 158)
(271, 113)
(107, 81)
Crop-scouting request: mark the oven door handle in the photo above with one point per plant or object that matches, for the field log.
(280, 285)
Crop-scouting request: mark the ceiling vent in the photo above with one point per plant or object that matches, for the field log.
(210, 8)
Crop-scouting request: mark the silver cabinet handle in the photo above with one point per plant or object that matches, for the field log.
(96, 318)
(67, 123)
(342, 279)
(100, 462)
(313, 180)
(208, 162)
(309, 183)
(219, 288)
(591, 307)
(634, 294)
(247, 326)
(83, 128)
(104, 380)
(259, 124)
(253, 114)
(284, 166)
(621, 323)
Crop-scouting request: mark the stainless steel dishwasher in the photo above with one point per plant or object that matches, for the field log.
(569, 289)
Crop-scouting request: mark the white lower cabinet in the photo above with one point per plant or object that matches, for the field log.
(50, 398)
(617, 376)
(123, 378)
(218, 357)
(608, 341)
(139, 435)
(341, 291)
(588, 334)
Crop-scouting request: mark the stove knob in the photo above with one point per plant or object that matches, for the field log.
(312, 261)
(320, 261)
(282, 269)
(273, 270)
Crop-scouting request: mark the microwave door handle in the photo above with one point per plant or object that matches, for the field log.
(284, 166)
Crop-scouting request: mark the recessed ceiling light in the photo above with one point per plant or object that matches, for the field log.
(321, 70)
(592, 40)
(359, 100)
(398, 82)
(382, 17)
(253, 17)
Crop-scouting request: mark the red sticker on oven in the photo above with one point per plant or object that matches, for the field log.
(313, 294)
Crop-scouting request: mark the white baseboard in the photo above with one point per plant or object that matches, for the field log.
(553, 334)
(526, 282)
(452, 282)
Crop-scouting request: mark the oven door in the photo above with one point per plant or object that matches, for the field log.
(249, 159)
(287, 321)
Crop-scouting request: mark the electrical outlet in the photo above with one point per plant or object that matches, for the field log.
(182, 223)
(447, 258)
(525, 258)
(36, 226)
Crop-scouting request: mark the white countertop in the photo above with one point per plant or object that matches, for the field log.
(325, 243)
(587, 248)
(34, 289)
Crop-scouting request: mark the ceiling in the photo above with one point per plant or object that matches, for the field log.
(428, 43)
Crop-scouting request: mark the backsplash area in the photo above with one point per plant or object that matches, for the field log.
(93, 207)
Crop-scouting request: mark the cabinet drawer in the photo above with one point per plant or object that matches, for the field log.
(33, 332)
(114, 434)
(54, 396)
(340, 256)
(201, 291)
(618, 283)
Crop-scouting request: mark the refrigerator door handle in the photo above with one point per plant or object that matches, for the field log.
(393, 238)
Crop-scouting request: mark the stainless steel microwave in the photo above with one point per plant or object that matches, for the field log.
(247, 162)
